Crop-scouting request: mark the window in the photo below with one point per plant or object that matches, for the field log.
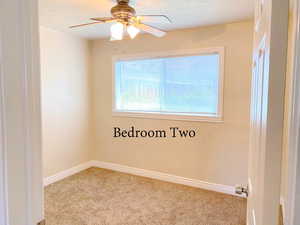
(180, 85)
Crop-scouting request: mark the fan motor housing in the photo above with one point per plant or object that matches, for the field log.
(123, 10)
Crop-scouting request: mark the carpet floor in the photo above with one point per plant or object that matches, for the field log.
(103, 197)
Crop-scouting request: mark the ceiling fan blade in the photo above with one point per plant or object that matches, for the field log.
(104, 19)
(150, 29)
(154, 18)
(85, 24)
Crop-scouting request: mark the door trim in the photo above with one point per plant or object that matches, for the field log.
(21, 188)
(293, 198)
(3, 176)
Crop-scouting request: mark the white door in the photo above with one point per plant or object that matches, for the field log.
(267, 104)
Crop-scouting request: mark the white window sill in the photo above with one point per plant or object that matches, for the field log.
(169, 116)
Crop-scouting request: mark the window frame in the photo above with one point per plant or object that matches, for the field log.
(218, 117)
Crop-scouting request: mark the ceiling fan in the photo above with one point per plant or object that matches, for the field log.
(125, 19)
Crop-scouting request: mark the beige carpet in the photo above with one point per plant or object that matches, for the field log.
(103, 197)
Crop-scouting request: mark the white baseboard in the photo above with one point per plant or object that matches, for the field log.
(66, 173)
(166, 177)
(144, 173)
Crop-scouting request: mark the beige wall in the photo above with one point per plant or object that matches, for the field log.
(219, 153)
(65, 101)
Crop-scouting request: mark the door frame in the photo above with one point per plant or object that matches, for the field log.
(3, 180)
(293, 170)
(21, 180)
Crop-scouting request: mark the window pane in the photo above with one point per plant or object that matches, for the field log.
(191, 84)
(176, 84)
(138, 83)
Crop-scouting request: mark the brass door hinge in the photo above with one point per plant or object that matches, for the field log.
(43, 222)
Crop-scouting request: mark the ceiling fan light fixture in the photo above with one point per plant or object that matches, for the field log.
(125, 19)
(133, 31)
(117, 31)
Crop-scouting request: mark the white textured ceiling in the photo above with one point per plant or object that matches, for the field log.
(60, 14)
